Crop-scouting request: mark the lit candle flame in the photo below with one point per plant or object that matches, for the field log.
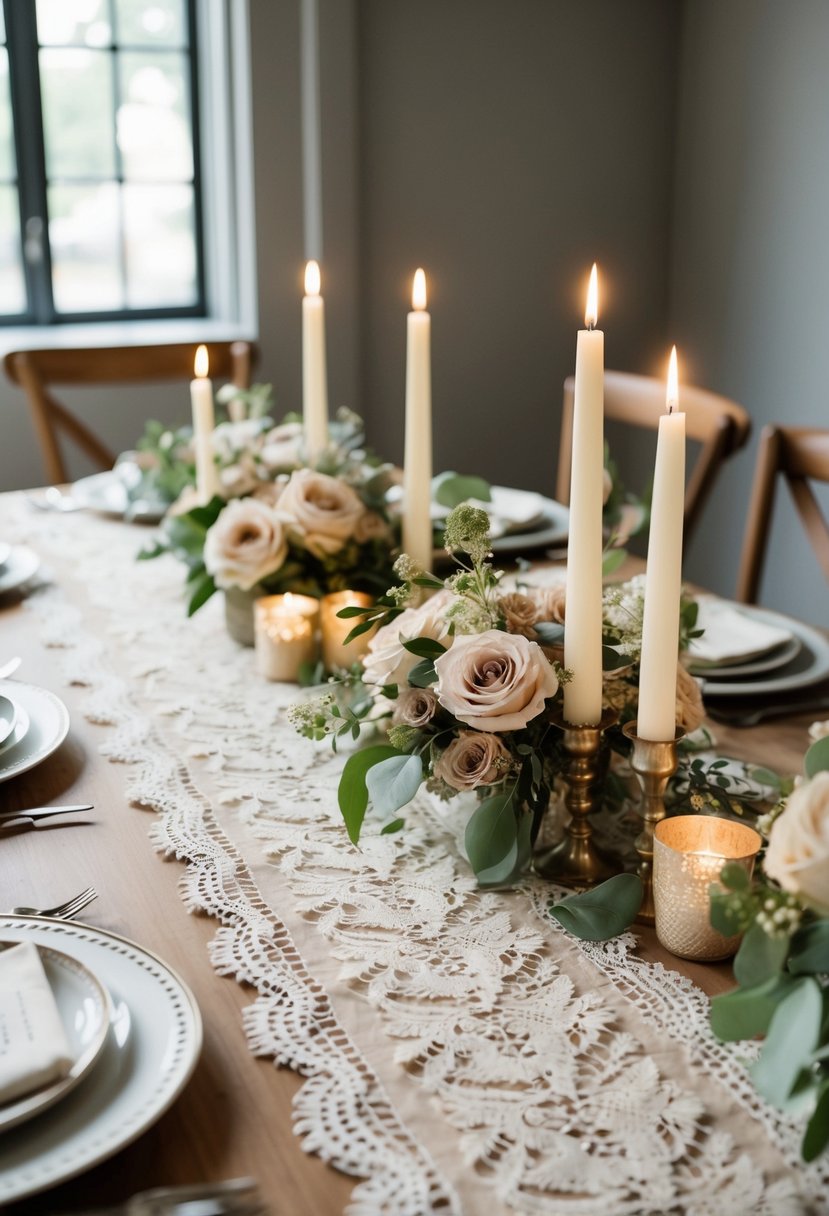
(419, 291)
(201, 363)
(312, 279)
(591, 312)
(672, 395)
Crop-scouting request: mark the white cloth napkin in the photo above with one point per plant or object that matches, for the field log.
(732, 634)
(33, 1048)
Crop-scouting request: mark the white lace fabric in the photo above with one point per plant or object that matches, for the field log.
(462, 1052)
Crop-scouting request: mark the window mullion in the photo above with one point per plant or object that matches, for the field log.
(27, 116)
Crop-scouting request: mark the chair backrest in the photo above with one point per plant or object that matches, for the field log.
(798, 454)
(35, 371)
(719, 425)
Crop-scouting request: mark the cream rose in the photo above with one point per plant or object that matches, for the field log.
(819, 730)
(387, 660)
(520, 613)
(494, 681)
(474, 758)
(282, 446)
(371, 526)
(690, 711)
(415, 706)
(550, 602)
(246, 543)
(798, 852)
(323, 511)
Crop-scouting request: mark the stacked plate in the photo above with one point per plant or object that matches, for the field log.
(18, 564)
(33, 724)
(134, 1032)
(746, 651)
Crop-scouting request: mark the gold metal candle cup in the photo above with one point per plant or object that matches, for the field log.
(575, 860)
(654, 763)
(689, 852)
(285, 629)
(335, 652)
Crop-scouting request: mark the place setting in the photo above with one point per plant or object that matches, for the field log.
(33, 724)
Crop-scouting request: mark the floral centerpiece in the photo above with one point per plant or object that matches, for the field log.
(782, 965)
(466, 687)
(279, 525)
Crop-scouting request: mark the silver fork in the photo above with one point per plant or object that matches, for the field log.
(64, 911)
(233, 1197)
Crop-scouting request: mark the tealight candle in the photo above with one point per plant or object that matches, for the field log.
(285, 634)
(336, 652)
(689, 853)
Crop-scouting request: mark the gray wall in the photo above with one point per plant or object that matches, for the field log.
(750, 255)
(505, 146)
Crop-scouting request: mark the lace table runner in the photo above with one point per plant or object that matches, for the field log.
(462, 1052)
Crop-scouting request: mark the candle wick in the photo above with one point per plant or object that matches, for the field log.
(591, 325)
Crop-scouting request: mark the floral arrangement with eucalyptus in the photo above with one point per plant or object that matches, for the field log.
(466, 686)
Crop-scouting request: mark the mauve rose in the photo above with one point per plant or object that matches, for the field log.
(371, 526)
(246, 543)
(323, 510)
(494, 680)
(798, 851)
(473, 758)
(387, 660)
(690, 711)
(415, 706)
(520, 613)
(550, 602)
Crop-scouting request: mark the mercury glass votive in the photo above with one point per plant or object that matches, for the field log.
(285, 628)
(336, 653)
(689, 851)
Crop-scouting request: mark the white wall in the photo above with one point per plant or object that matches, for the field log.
(750, 255)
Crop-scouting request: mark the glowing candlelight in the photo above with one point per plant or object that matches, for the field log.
(417, 464)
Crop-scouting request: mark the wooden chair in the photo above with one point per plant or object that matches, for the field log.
(798, 454)
(35, 371)
(719, 425)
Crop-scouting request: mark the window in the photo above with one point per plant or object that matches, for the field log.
(100, 207)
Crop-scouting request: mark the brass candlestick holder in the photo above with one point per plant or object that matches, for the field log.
(576, 860)
(654, 763)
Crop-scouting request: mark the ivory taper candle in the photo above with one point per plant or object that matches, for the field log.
(417, 465)
(663, 580)
(314, 374)
(583, 628)
(201, 400)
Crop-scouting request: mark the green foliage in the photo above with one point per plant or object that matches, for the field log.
(760, 957)
(817, 1130)
(452, 489)
(604, 911)
(747, 1012)
(793, 1037)
(352, 792)
(498, 840)
(392, 783)
(810, 949)
(817, 757)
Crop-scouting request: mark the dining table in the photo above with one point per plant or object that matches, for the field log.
(379, 1036)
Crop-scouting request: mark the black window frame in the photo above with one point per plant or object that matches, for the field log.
(32, 181)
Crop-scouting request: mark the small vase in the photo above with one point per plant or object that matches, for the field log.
(239, 613)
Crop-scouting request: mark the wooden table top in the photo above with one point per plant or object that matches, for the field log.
(234, 1117)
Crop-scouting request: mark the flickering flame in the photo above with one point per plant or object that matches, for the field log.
(201, 362)
(312, 279)
(419, 291)
(591, 312)
(672, 395)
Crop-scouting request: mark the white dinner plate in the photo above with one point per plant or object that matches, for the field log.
(21, 725)
(85, 1011)
(8, 717)
(779, 657)
(5, 552)
(48, 727)
(108, 493)
(809, 666)
(552, 529)
(150, 1052)
(21, 564)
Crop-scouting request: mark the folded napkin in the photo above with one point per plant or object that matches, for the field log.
(33, 1048)
(732, 634)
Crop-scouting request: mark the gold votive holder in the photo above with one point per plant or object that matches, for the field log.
(285, 634)
(336, 653)
(654, 762)
(689, 852)
(576, 860)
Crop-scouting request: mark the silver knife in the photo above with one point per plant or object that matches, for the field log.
(43, 812)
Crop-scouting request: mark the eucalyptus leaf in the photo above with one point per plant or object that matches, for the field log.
(394, 782)
(352, 792)
(612, 560)
(423, 674)
(793, 1035)
(809, 954)
(747, 1012)
(394, 826)
(726, 915)
(816, 1137)
(734, 876)
(817, 757)
(760, 957)
(549, 633)
(451, 489)
(200, 592)
(603, 912)
(612, 660)
(424, 648)
(491, 839)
